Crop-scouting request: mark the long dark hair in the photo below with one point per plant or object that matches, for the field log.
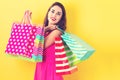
(62, 23)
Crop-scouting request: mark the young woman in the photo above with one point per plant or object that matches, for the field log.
(55, 16)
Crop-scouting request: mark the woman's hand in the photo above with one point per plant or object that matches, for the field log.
(50, 27)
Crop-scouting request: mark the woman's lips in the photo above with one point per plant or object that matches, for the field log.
(53, 19)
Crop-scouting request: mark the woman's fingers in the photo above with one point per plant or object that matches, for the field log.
(52, 27)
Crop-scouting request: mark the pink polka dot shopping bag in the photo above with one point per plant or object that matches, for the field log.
(26, 40)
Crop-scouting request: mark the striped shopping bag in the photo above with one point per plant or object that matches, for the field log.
(80, 48)
(64, 58)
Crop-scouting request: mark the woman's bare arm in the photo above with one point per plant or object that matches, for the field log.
(50, 39)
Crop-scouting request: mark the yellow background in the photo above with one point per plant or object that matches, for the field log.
(95, 21)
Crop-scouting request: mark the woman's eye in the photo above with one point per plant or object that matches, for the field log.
(52, 11)
(58, 13)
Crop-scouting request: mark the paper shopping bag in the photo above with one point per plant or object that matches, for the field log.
(79, 47)
(72, 58)
(63, 59)
(26, 41)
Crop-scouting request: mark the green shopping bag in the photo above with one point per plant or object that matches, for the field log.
(80, 48)
(72, 58)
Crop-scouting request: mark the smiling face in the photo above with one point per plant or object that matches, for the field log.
(54, 15)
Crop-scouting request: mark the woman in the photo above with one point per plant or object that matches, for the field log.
(56, 15)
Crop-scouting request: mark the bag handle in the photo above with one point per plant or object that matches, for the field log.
(27, 17)
(57, 27)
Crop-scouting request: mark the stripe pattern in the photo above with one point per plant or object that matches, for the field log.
(62, 58)
(38, 45)
(80, 48)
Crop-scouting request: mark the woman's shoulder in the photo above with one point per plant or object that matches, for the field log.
(55, 33)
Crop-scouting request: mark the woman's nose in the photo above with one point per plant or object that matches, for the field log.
(54, 15)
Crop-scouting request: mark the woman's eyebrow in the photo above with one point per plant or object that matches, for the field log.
(54, 10)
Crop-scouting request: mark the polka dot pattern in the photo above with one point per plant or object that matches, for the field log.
(22, 40)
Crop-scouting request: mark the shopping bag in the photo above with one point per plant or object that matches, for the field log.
(26, 40)
(79, 47)
(63, 58)
(72, 58)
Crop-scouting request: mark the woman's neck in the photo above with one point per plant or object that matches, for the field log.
(50, 24)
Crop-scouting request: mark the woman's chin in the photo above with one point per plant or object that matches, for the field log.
(52, 23)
